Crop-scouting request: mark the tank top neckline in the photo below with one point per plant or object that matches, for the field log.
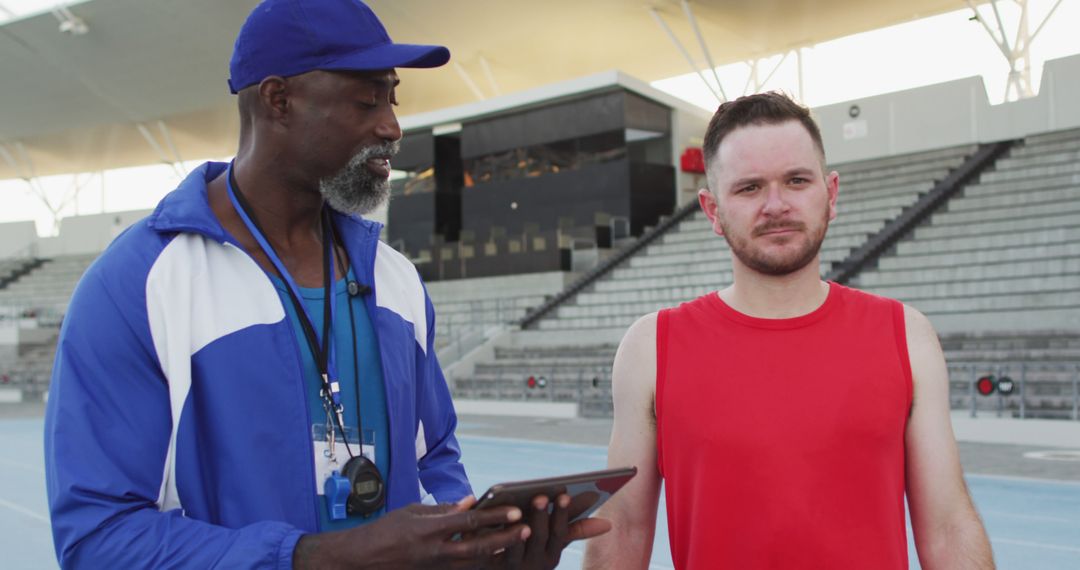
(832, 300)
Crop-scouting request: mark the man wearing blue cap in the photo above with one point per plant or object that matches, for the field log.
(247, 378)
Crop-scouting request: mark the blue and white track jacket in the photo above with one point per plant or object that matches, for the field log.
(177, 432)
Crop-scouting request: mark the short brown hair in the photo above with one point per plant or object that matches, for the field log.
(769, 108)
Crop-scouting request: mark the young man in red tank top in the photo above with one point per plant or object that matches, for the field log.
(788, 417)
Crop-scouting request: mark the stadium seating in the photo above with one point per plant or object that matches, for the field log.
(28, 367)
(686, 262)
(996, 268)
(1044, 367)
(1003, 255)
(43, 295)
(566, 373)
(46, 290)
(691, 260)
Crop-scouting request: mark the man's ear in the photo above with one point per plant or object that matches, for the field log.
(710, 206)
(274, 97)
(832, 185)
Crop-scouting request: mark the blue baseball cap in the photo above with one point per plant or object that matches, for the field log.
(290, 37)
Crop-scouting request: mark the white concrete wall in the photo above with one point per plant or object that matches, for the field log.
(687, 130)
(948, 114)
(18, 239)
(81, 235)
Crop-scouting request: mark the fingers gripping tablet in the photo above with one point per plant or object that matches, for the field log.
(587, 491)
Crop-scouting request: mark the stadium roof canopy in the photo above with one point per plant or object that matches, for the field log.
(146, 82)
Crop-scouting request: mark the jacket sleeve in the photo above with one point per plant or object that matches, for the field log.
(437, 450)
(107, 432)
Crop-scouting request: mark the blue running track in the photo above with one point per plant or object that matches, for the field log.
(1032, 523)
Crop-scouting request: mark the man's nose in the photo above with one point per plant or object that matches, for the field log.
(388, 128)
(775, 202)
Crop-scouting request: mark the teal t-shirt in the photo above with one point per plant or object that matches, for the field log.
(372, 389)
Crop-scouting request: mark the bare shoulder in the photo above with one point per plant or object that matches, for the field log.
(919, 328)
(928, 368)
(636, 359)
(641, 335)
(922, 339)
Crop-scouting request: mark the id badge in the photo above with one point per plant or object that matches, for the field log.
(324, 465)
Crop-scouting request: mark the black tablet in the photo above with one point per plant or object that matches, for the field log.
(587, 491)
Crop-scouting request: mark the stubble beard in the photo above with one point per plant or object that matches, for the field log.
(757, 260)
(355, 189)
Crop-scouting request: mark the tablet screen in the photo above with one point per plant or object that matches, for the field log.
(587, 491)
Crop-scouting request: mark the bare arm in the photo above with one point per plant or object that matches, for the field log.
(948, 531)
(632, 511)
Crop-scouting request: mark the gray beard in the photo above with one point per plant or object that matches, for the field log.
(355, 189)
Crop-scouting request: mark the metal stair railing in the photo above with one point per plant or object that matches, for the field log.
(900, 226)
(608, 264)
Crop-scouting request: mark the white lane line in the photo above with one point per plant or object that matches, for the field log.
(1036, 544)
(531, 442)
(1021, 479)
(1028, 517)
(24, 510)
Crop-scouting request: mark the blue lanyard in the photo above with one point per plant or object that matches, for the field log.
(326, 359)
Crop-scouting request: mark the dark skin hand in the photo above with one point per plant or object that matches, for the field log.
(417, 536)
(550, 534)
(420, 536)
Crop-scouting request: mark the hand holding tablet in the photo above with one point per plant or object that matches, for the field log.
(557, 511)
(587, 491)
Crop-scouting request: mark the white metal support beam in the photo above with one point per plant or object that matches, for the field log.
(682, 49)
(24, 167)
(704, 48)
(174, 160)
(464, 75)
(490, 76)
(1018, 54)
(799, 62)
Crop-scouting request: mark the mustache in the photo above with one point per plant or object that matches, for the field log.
(774, 226)
(387, 149)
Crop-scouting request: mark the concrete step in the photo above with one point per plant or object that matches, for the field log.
(989, 242)
(932, 259)
(977, 272)
(1001, 209)
(963, 290)
(929, 169)
(1061, 300)
(1027, 149)
(1020, 186)
(1065, 219)
(1031, 172)
(877, 163)
(1056, 136)
(1045, 158)
(672, 294)
(1056, 195)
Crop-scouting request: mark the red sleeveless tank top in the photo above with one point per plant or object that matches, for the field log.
(781, 441)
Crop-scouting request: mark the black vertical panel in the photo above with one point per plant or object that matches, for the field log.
(652, 188)
(449, 178)
(417, 151)
(411, 219)
(556, 122)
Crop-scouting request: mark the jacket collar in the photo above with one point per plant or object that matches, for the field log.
(187, 209)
